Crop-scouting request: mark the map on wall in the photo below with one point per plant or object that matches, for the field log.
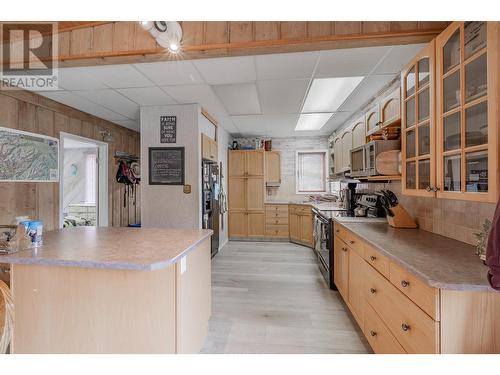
(28, 157)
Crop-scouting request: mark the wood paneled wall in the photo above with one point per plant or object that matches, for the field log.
(31, 112)
(127, 42)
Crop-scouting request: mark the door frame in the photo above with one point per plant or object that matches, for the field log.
(102, 178)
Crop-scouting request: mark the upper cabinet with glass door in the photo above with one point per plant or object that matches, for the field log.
(467, 111)
(418, 124)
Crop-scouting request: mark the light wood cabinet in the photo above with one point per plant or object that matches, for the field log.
(246, 194)
(209, 148)
(341, 267)
(385, 112)
(256, 224)
(467, 107)
(277, 219)
(337, 154)
(301, 224)
(450, 135)
(358, 133)
(400, 313)
(373, 119)
(418, 125)
(390, 108)
(356, 286)
(346, 141)
(273, 167)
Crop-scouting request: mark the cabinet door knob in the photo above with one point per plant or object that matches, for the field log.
(337, 230)
(373, 291)
(351, 242)
(405, 283)
(373, 333)
(435, 188)
(372, 258)
(344, 249)
(405, 327)
(428, 188)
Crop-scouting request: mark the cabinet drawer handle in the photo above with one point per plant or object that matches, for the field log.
(277, 221)
(373, 258)
(405, 327)
(405, 283)
(373, 291)
(373, 333)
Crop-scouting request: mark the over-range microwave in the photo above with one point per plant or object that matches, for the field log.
(363, 157)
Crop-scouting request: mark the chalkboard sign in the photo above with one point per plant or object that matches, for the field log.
(166, 165)
(168, 129)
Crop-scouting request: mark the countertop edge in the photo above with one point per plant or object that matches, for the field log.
(419, 274)
(10, 259)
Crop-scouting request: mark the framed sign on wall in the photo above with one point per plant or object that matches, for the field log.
(166, 165)
(168, 129)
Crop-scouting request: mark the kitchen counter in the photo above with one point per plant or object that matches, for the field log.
(113, 248)
(441, 262)
(322, 206)
(112, 290)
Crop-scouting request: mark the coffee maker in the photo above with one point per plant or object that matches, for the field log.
(349, 198)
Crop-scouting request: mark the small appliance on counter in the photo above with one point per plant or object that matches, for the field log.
(348, 198)
(369, 205)
(397, 216)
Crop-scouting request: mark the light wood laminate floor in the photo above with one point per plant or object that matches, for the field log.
(269, 297)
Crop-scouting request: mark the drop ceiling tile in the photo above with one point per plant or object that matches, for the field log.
(113, 101)
(350, 62)
(286, 65)
(227, 124)
(283, 96)
(239, 99)
(398, 58)
(79, 79)
(265, 125)
(202, 94)
(171, 73)
(121, 76)
(147, 96)
(365, 91)
(337, 120)
(227, 70)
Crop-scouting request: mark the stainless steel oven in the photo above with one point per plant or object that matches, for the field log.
(323, 245)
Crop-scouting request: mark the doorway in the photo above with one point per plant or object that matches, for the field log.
(83, 198)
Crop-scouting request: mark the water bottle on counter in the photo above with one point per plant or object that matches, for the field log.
(34, 228)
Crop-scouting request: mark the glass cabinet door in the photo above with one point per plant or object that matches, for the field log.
(417, 124)
(464, 118)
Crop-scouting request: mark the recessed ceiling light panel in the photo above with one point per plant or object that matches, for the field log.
(312, 121)
(328, 94)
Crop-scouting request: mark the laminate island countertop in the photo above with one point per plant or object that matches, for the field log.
(440, 261)
(112, 248)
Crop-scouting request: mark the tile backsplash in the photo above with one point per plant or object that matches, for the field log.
(456, 219)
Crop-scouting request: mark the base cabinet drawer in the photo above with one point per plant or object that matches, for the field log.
(377, 260)
(277, 220)
(422, 294)
(412, 327)
(350, 239)
(378, 335)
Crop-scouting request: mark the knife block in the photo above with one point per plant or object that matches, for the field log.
(401, 218)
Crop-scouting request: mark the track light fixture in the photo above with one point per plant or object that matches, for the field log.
(168, 34)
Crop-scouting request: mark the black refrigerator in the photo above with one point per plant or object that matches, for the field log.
(210, 201)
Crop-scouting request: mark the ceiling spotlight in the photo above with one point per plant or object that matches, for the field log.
(168, 34)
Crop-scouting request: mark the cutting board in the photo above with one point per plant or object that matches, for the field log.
(388, 162)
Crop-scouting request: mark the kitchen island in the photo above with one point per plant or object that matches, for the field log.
(112, 290)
